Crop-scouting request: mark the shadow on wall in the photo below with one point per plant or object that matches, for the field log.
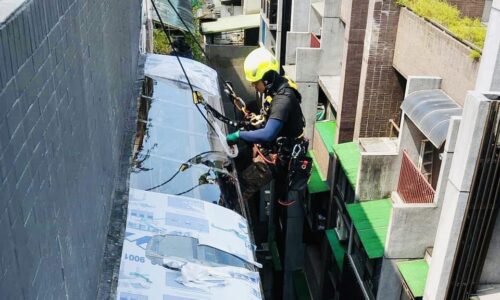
(228, 62)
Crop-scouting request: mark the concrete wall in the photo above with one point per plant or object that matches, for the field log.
(410, 139)
(456, 195)
(345, 10)
(421, 83)
(251, 7)
(437, 54)
(390, 285)
(380, 90)
(410, 229)
(315, 20)
(295, 40)
(486, 12)
(470, 8)
(228, 61)
(300, 15)
(378, 175)
(67, 75)
(332, 38)
(309, 92)
(488, 78)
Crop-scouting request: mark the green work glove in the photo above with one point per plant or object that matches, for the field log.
(233, 138)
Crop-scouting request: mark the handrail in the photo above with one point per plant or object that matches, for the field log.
(413, 187)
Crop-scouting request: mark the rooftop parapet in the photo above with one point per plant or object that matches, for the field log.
(424, 49)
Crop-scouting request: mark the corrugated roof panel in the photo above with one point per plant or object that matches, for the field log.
(169, 15)
(371, 220)
(327, 131)
(349, 156)
(414, 273)
(337, 248)
(316, 183)
(431, 111)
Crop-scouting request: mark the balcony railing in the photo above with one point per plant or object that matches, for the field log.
(315, 42)
(412, 185)
(270, 9)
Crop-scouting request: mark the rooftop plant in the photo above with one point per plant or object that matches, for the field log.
(447, 15)
(160, 42)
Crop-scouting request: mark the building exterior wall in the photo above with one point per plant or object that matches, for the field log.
(490, 272)
(300, 15)
(437, 54)
(351, 66)
(488, 78)
(469, 8)
(251, 7)
(67, 88)
(378, 174)
(228, 60)
(390, 285)
(380, 92)
(456, 195)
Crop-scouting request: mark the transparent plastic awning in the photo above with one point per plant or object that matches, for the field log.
(167, 236)
(431, 111)
(169, 16)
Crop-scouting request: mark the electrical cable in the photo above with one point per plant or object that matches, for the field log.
(182, 167)
(179, 60)
(166, 181)
(187, 191)
(204, 53)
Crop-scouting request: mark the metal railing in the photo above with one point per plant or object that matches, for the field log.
(270, 9)
(315, 42)
(412, 185)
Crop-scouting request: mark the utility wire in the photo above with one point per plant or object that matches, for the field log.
(181, 167)
(187, 191)
(166, 181)
(195, 39)
(179, 60)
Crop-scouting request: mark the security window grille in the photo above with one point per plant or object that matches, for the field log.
(368, 269)
(340, 227)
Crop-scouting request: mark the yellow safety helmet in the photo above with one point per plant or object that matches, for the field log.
(258, 63)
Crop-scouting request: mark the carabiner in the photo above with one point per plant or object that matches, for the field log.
(241, 106)
(296, 150)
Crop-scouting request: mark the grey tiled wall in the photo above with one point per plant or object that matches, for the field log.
(68, 70)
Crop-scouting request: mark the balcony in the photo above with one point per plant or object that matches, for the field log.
(315, 41)
(413, 187)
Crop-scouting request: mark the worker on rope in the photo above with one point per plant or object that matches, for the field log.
(278, 131)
